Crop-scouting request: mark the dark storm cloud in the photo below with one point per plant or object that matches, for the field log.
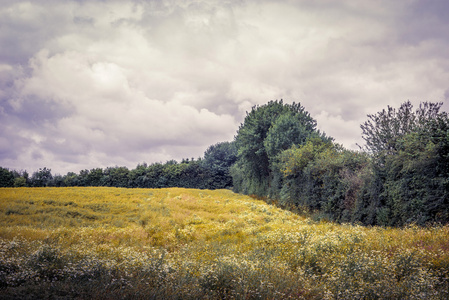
(88, 84)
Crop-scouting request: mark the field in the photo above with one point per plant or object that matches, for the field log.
(108, 243)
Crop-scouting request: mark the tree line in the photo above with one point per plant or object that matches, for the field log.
(209, 172)
(400, 176)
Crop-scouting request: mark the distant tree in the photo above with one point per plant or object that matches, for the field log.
(156, 176)
(94, 177)
(218, 160)
(6, 178)
(82, 179)
(192, 174)
(58, 181)
(21, 179)
(139, 177)
(20, 182)
(115, 177)
(71, 179)
(41, 178)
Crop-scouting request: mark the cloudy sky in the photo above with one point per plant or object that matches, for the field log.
(87, 84)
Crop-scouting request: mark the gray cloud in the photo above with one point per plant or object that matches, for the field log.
(88, 84)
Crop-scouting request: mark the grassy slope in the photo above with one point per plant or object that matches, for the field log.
(205, 244)
(159, 217)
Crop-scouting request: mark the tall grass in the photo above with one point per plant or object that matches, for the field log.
(106, 243)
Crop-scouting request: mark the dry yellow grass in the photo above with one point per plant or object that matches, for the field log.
(151, 217)
(214, 244)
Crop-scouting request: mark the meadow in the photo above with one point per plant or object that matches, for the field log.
(174, 243)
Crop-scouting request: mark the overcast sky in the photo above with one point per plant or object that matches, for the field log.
(87, 84)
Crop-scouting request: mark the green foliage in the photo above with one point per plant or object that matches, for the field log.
(402, 179)
(287, 130)
(210, 173)
(278, 155)
(115, 177)
(410, 164)
(322, 176)
(71, 179)
(94, 177)
(6, 178)
(218, 160)
(295, 159)
(266, 131)
(43, 177)
(19, 182)
(383, 131)
(416, 178)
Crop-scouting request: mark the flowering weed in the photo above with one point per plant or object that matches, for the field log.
(103, 243)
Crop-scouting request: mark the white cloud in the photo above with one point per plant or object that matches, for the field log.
(96, 83)
(108, 116)
(343, 131)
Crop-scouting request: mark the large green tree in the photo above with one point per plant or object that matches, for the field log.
(382, 131)
(41, 178)
(115, 177)
(416, 184)
(6, 178)
(218, 160)
(267, 131)
(411, 155)
(325, 177)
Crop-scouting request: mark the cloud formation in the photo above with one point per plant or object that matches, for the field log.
(87, 84)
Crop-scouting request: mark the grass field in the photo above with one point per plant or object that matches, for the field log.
(108, 243)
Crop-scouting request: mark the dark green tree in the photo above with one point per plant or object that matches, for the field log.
(41, 178)
(83, 179)
(383, 130)
(20, 178)
(410, 164)
(58, 180)
(266, 131)
(416, 184)
(6, 178)
(218, 160)
(290, 128)
(156, 176)
(20, 182)
(139, 178)
(70, 179)
(94, 177)
(192, 174)
(115, 177)
(324, 178)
